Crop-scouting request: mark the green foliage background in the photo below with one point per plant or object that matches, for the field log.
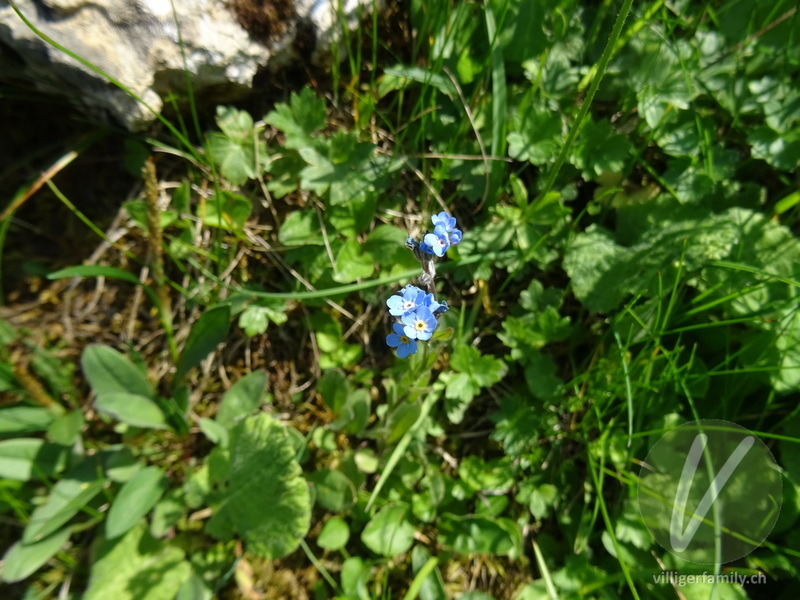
(625, 175)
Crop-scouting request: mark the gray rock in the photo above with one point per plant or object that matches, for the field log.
(137, 43)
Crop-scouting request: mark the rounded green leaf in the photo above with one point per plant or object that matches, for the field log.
(138, 495)
(334, 535)
(23, 559)
(389, 533)
(109, 371)
(335, 492)
(266, 500)
(133, 409)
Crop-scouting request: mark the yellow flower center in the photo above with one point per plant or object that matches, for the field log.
(420, 325)
(404, 339)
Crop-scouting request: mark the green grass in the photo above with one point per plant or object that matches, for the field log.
(624, 177)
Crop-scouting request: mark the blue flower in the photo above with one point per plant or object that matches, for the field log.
(407, 301)
(441, 309)
(438, 241)
(429, 302)
(420, 324)
(449, 224)
(444, 219)
(404, 344)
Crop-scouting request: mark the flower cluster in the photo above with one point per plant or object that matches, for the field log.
(416, 311)
(444, 235)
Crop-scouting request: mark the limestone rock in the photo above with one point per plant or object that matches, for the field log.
(137, 42)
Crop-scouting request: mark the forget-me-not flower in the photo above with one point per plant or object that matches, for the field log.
(420, 324)
(405, 301)
(438, 241)
(404, 344)
(449, 224)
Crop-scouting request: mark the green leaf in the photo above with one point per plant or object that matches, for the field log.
(25, 419)
(236, 124)
(68, 496)
(22, 560)
(133, 409)
(334, 491)
(266, 499)
(398, 77)
(476, 535)
(304, 115)
(67, 428)
(109, 371)
(535, 134)
(208, 332)
(334, 389)
(432, 587)
(352, 263)
(334, 535)
(492, 475)
(226, 211)
(389, 533)
(781, 152)
(256, 317)
(242, 398)
(167, 513)
(194, 588)
(542, 499)
(301, 228)
(23, 459)
(475, 372)
(599, 150)
(236, 157)
(136, 566)
(214, 431)
(355, 576)
(138, 495)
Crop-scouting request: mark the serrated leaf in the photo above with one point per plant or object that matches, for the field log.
(304, 115)
(135, 499)
(600, 149)
(207, 333)
(535, 134)
(266, 500)
(22, 560)
(236, 159)
(109, 371)
(234, 123)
